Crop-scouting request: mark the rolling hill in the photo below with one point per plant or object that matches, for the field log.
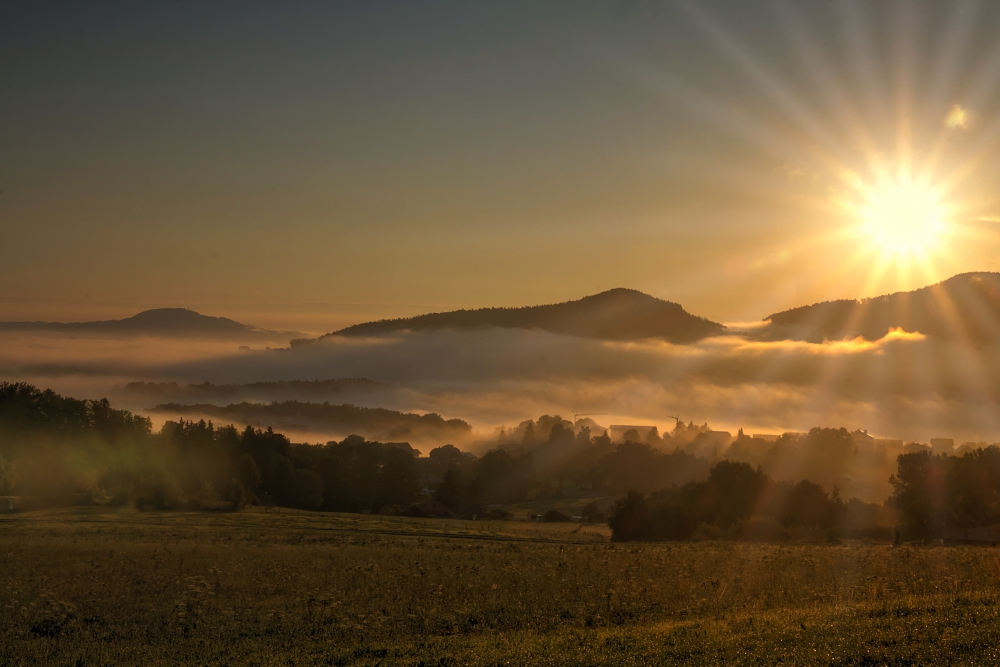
(256, 391)
(966, 306)
(618, 314)
(176, 322)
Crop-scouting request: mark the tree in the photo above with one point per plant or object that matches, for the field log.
(8, 477)
(591, 513)
(398, 479)
(449, 492)
(503, 477)
(629, 518)
(918, 492)
(973, 488)
(632, 435)
(732, 492)
(561, 436)
(529, 434)
(305, 490)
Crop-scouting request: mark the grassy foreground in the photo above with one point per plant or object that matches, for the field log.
(96, 586)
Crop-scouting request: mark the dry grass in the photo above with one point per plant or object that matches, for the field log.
(94, 587)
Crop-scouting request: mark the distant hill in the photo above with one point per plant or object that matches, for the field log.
(257, 391)
(618, 314)
(160, 322)
(964, 306)
(294, 416)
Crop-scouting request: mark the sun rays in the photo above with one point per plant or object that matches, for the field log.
(893, 96)
(883, 130)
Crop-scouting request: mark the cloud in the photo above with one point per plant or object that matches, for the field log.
(957, 118)
(903, 385)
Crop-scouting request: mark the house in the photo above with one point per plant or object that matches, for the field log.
(556, 516)
(862, 438)
(942, 445)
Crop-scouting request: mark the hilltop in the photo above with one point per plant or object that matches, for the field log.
(173, 322)
(618, 314)
(966, 306)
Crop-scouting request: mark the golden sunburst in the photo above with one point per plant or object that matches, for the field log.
(903, 218)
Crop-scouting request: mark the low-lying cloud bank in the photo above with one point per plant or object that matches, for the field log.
(903, 385)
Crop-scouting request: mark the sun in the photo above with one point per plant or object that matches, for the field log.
(903, 217)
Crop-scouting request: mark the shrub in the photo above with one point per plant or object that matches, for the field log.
(592, 513)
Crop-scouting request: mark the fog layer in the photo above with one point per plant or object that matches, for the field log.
(903, 385)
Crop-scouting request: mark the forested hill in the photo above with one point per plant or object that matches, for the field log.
(156, 322)
(206, 392)
(298, 415)
(966, 306)
(618, 314)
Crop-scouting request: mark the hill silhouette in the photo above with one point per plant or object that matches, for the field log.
(966, 306)
(257, 391)
(158, 321)
(618, 314)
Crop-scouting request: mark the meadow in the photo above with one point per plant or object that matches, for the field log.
(96, 586)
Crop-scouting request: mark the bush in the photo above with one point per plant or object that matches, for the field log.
(592, 513)
(629, 518)
(707, 531)
(762, 529)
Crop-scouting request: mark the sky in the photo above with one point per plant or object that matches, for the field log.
(310, 165)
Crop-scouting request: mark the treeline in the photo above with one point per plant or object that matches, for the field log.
(57, 451)
(25, 409)
(949, 497)
(738, 501)
(377, 423)
(588, 462)
(858, 464)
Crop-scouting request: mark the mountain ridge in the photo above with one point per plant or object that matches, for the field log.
(966, 305)
(616, 314)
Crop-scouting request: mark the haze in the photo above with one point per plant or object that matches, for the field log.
(320, 165)
(370, 332)
(310, 168)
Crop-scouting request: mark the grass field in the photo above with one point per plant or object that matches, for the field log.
(94, 586)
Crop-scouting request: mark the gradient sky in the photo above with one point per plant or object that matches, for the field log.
(309, 165)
